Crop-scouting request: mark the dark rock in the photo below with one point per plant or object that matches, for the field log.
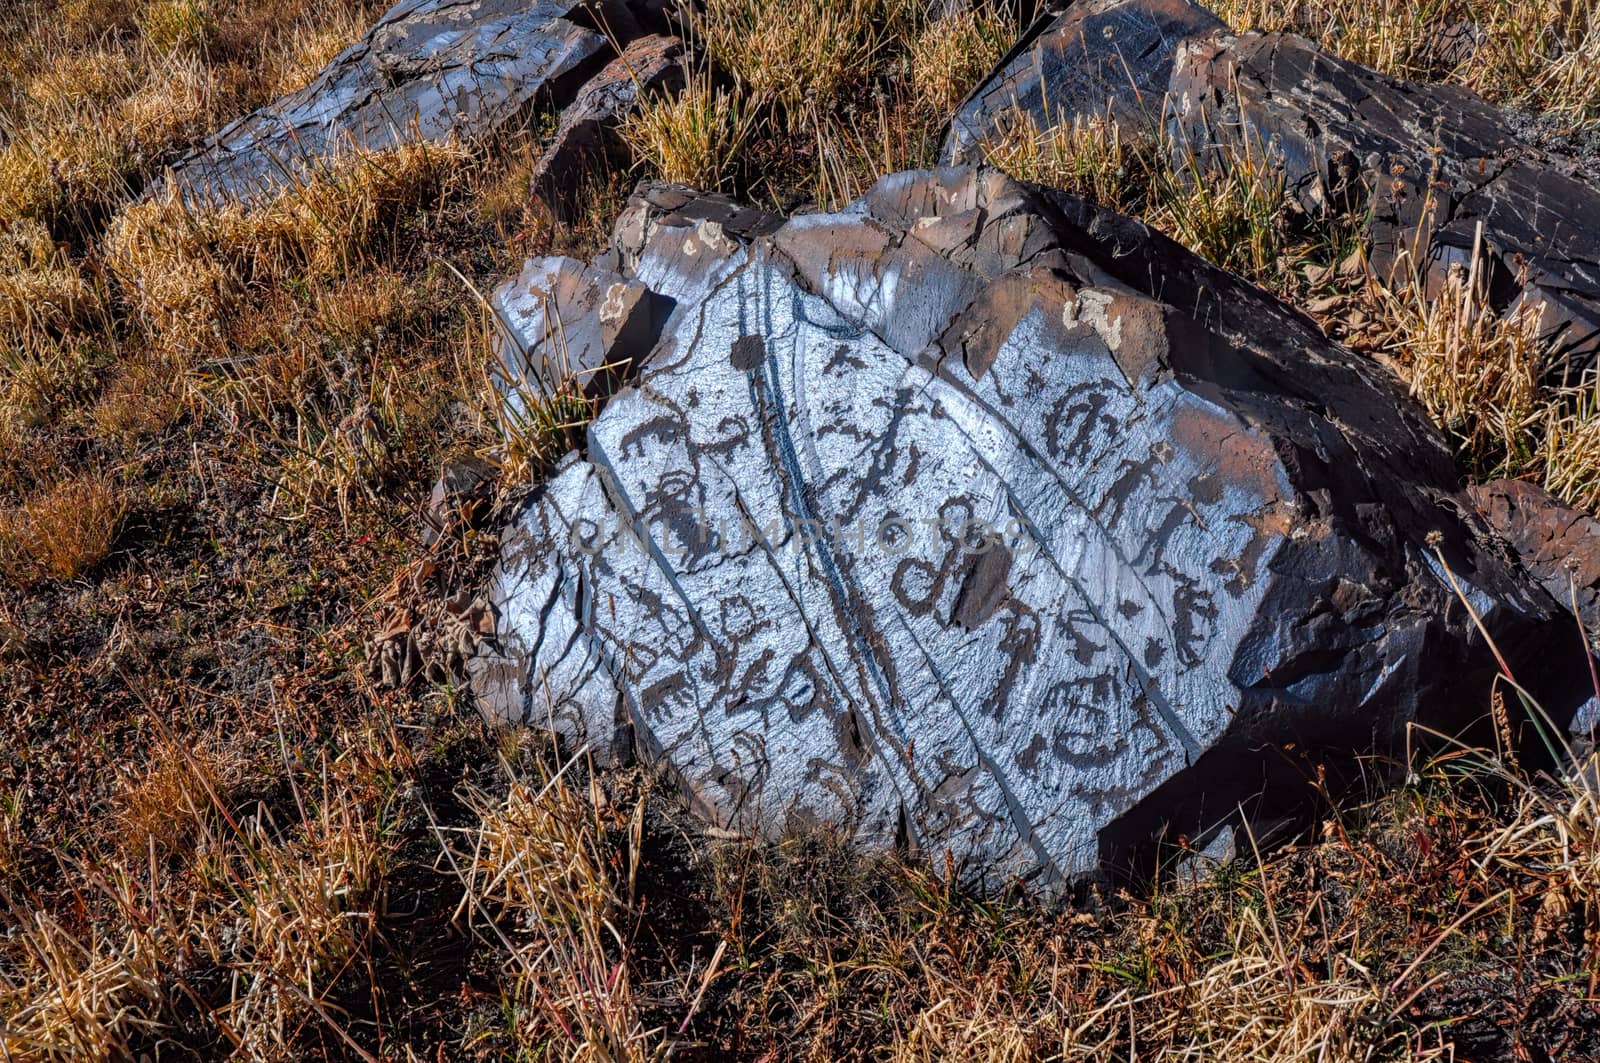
(586, 140)
(1097, 59)
(1556, 544)
(975, 518)
(1352, 141)
(461, 497)
(1430, 165)
(428, 70)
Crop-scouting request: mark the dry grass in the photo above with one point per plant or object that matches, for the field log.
(953, 54)
(168, 802)
(1477, 374)
(1571, 448)
(822, 97)
(70, 1000)
(803, 55)
(1088, 157)
(693, 137)
(101, 95)
(175, 25)
(183, 270)
(549, 875)
(1233, 208)
(65, 529)
(305, 903)
(1543, 55)
(42, 292)
(219, 838)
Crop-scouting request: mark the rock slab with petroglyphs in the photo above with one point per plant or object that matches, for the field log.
(427, 70)
(975, 519)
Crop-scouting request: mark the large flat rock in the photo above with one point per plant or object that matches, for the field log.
(1430, 166)
(976, 519)
(428, 70)
(1094, 59)
(1427, 166)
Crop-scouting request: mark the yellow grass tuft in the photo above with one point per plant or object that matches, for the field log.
(952, 55)
(803, 55)
(693, 137)
(42, 291)
(1089, 157)
(166, 803)
(69, 1000)
(174, 25)
(184, 268)
(67, 527)
(304, 904)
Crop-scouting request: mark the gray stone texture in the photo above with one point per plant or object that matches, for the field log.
(1426, 164)
(428, 70)
(1430, 166)
(1094, 59)
(976, 519)
(1557, 545)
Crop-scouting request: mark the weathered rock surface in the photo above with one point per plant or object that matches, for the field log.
(1427, 164)
(587, 139)
(974, 518)
(564, 321)
(426, 71)
(1096, 59)
(1556, 544)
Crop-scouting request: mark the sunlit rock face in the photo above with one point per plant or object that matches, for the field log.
(975, 519)
(428, 70)
(1097, 59)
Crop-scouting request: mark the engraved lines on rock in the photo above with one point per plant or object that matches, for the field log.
(768, 402)
(1149, 688)
(1023, 826)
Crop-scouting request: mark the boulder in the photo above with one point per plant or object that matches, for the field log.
(587, 140)
(975, 519)
(1433, 168)
(1096, 59)
(1428, 166)
(427, 70)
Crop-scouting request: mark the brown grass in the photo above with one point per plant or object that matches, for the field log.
(67, 528)
(1542, 55)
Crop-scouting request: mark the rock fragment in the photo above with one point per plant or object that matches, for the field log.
(587, 140)
(1434, 169)
(1558, 545)
(1428, 167)
(1096, 59)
